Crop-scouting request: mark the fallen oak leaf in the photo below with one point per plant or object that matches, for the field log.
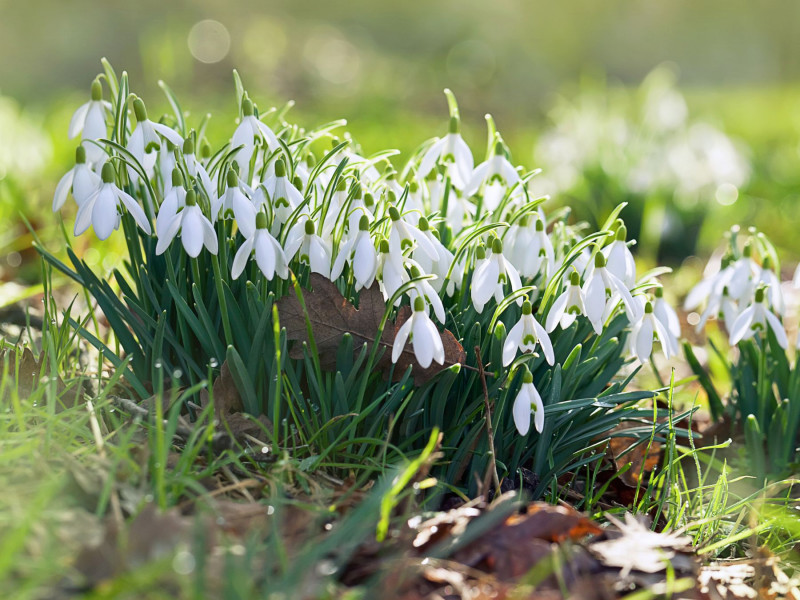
(331, 316)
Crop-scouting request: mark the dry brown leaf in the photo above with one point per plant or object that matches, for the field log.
(643, 458)
(28, 380)
(332, 316)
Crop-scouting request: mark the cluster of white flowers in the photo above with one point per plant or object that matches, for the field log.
(444, 228)
(745, 295)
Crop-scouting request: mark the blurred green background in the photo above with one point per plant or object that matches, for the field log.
(709, 139)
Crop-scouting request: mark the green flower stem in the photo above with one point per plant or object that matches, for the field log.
(223, 304)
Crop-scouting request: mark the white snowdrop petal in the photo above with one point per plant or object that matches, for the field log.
(522, 411)
(62, 189)
(77, 120)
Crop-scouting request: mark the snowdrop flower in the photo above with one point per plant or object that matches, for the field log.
(90, 121)
(391, 271)
(285, 197)
(435, 185)
(425, 338)
(757, 317)
(796, 277)
(404, 235)
(539, 256)
(497, 175)
(173, 201)
(490, 276)
(742, 279)
(234, 202)
(359, 251)
(357, 208)
(196, 169)
(567, 306)
(710, 287)
(314, 251)
(269, 255)
(721, 305)
(666, 314)
(645, 330)
(528, 401)
(248, 134)
(767, 278)
(525, 335)
(80, 179)
(602, 292)
(619, 258)
(426, 290)
(438, 267)
(195, 229)
(102, 209)
(145, 140)
(453, 152)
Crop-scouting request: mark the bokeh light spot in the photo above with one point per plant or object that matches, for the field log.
(209, 41)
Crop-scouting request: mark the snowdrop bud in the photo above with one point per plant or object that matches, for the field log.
(648, 308)
(107, 174)
(574, 278)
(261, 221)
(766, 263)
(80, 155)
(413, 187)
(188, 146)
(391, 174)
(423, 224)
(391, 197)
(415, 272)
(419, 304)
(622, 233)
(341, 186)
(497, 246)
(177, 178)
(311, 161)
(191, 197)
(232, 178)
(363, 223)
(747, 251)
(431, 176)
(527, 377)
(599, 261)
(455, 125)
(369, 200)
(383, 246)
(498, 148)
(394, 214)
(97, 90)
(297, 182)
(527, 308)
(539, 225)
(760, 294)
(205, 149)
(356, 187)
(280, 168)
(139, 109)
(659, 292)
(309, 227)
(480, 253)
(247, 106)
(500, 331)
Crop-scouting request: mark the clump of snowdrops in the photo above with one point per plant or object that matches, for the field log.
(547, 317)
(742, 292)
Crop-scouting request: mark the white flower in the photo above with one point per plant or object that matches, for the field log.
(102, 209)
(358, 208)
(539, 255)
(757, 317)
(269, 254)
(567, 306)
(391, 271)
(602, 292)
(90, 121)
(426, 290)
(285, 197)
(250, 132)
(796, 277)
(643, 332)
(666, 314)
(453, 152)
(425, 338)
(314, 251)
(710, 287)
(404, 235)
(145, 140)
(528, 401)
(234, 201)
(719, 305)
(359, 251)
(490, 276)
(173, 201)
(497, 175)
(619, 259)
(80, 179)
(525, 335)
(438, 267)
(195, 229)
(768, 279)
(742, 281)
